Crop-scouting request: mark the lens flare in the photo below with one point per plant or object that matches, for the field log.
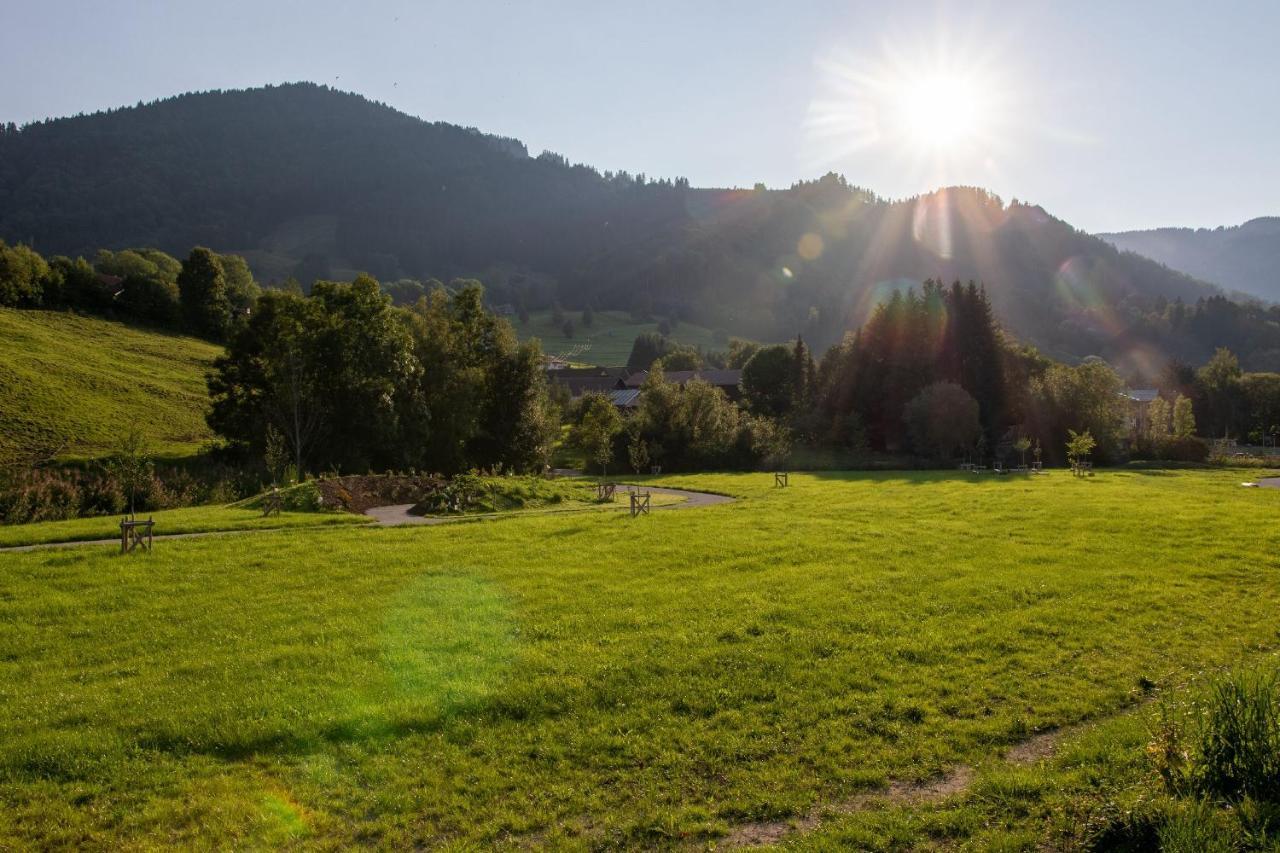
(931, 224)
(810, 247)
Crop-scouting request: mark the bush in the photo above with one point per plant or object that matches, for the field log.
(58, 494)
(763, 441)
(304, 497)
(941, 419)
(1186, 449)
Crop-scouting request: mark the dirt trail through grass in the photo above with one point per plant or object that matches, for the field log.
(898, 794)
(764, 833)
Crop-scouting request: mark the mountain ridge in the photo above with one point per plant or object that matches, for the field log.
(1244, 258)
(309, 181)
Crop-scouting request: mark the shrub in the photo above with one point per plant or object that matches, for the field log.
(57, 494)
(940, 419)
(1188, 448)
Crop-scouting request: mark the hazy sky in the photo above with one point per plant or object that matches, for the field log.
(1112, 115)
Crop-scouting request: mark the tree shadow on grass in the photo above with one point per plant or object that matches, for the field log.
(929, 477)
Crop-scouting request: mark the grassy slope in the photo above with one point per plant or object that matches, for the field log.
(588, 679)
(87, 381)
(608, 340)
(197, 519)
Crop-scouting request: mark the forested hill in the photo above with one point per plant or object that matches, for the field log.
(307, 181)
(1242, 257)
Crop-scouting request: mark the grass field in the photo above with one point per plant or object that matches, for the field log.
(608, 340)
(593, 681)
(86, 382)
(197, 519)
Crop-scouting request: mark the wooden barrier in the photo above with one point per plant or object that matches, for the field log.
(135, 534)
(604, 491)
(271, 503)
(639, 504)
(781, 479)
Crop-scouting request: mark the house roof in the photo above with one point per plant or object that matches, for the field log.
(721, 378)
(615, 372)
(1141, 395)
(626, 398)
(580, 381)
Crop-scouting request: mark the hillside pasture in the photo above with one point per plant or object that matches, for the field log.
(607, 341)
(594, 681)
(82, 383)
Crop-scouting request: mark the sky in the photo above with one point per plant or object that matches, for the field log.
(1112, 115)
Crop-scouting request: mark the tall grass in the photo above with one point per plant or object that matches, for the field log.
(1225, 746)
(1239, 742)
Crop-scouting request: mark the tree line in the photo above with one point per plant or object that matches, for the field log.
(930, 376)
(407, 199)
(207, 294)
(351, 383)
(930, 373)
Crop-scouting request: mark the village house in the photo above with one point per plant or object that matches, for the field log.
(1139, 400)
(725, 379)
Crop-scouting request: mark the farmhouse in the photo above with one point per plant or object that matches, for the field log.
(626, 400)
(1139, 400)
(724, 379)
(585, 380)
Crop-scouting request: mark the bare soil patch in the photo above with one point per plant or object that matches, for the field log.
(762, 833)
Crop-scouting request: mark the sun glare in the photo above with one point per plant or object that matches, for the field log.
(939, 112)
(942, 115)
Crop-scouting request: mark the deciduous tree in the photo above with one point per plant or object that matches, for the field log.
(202, 289)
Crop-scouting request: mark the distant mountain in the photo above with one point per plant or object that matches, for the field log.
(1244, 258)
(307, 181)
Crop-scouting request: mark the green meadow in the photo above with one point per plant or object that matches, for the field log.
(761, 670)
(607, 341)
(81, 383)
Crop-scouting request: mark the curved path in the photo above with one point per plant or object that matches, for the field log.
(398, 514)
(1269, 482)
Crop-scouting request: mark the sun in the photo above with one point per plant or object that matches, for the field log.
(941, 116)
(938, 112)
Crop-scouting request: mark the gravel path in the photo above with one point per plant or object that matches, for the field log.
(394, 516)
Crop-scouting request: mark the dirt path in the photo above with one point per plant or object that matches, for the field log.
(763, 833)
(954, 782)
(397, 515)
(1269, 482)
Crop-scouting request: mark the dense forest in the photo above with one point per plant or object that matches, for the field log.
(307, 182)
(1244, 258)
